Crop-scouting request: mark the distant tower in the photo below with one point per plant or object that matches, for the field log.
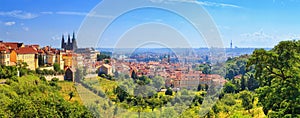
(69, 40)
(231, 44)
(74, 43)
(63, 44)
(69, 45)
(169, 60)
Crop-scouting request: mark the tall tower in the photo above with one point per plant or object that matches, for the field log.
(231, 44)
(69, 39)
(74, 43)
(63, 42)
(68, 47)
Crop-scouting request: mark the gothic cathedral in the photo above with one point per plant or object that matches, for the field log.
(69, 45)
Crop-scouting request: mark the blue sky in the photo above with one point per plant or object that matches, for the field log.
(249, 23)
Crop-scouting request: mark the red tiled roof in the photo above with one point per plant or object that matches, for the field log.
(27, 50)
(35, 46)
(13, 45)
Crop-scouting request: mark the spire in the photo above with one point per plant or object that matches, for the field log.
(69, 40)
(74, 43)
(231, 44)
(73, 38)
(62, 42)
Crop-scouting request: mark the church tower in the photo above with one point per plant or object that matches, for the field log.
(63, 44)
(74, 43)
(69, 45)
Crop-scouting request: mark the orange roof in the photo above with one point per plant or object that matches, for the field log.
(2, 47)
(13, 45)
(27, 50)
(35, 46)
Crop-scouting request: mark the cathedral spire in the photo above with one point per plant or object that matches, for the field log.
(69, 39)
(74, 43)
(73, 38)
(62, 42)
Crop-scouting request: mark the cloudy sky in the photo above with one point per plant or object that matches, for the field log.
(248, 23)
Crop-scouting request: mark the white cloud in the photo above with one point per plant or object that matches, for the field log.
(9, 23)
(203, 3)
(293, 37)
(18, 14)
(82, 14)
(56, 38)
(25, 28)
(258, 36)
(47, 12)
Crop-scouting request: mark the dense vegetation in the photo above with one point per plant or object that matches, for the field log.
(29, 96)
(278, 72)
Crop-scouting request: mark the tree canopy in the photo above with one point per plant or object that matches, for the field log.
(278, 72)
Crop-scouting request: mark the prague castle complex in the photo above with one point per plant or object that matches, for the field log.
(69, 45)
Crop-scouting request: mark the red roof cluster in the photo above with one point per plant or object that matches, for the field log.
(27, 50)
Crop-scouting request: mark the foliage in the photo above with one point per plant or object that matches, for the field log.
(7, 72)
(31, 97)
(56, 67)
(102, 56)
(158, 82)
(278, 72)
(247, 99)
(169, 92)
(229, 87)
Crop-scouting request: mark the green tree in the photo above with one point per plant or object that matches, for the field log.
(206, 69)
(154, 103)
(158, 82)
(252, 83)
(71, 95)
(169, 92)
(199, 88)
(139, 104)
(230, 74)
(278, 73)
(247, 100)
(56, 67)
(206, 87)
(243, 83)
(229, 87)
(168, 113)
(121, 93)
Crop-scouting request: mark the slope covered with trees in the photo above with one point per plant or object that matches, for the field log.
(29, 96)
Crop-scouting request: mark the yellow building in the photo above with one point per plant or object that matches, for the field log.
(28, 55)
(59, 60)
(4, 55)
(68, 60)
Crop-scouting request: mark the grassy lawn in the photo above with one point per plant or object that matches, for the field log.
(66, 88)
(107, 86)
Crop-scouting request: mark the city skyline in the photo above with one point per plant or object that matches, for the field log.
(247, 23)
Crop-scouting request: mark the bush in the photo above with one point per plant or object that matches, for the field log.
(169, 92)
(54, 79)
(43, 78)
